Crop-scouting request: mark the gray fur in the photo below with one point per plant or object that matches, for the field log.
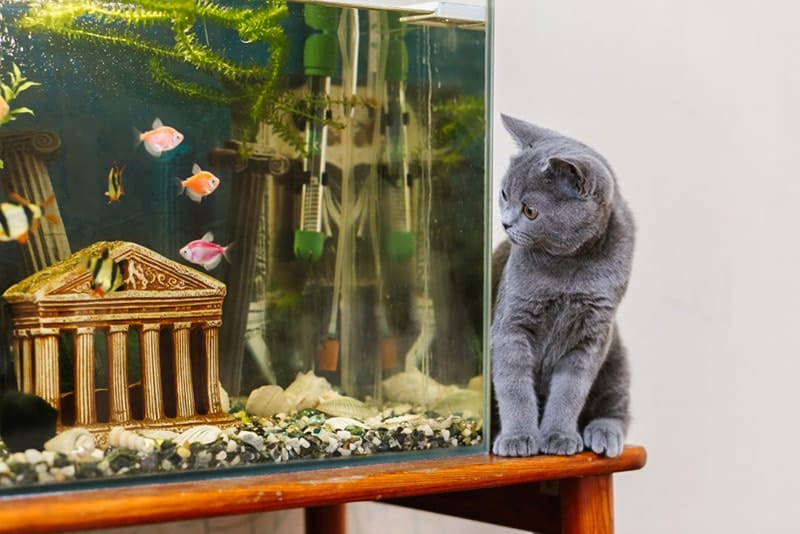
(559, 368)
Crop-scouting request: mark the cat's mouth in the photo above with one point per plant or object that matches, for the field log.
(515, 238)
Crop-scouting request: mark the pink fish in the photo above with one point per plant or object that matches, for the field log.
(205, 252)
(200, 184)
(160, 139)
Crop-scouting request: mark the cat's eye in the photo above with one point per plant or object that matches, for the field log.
(503, 194)
(530, 212)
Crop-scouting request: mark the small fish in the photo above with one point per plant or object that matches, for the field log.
(160, 139)
(106, 274)
(200, 184)
(18, 218)
(4, 108)
(115, 189)
(205, 252)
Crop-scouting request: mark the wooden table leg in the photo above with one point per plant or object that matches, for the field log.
(587, 505)
(330, 519)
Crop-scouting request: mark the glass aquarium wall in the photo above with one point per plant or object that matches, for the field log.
(237, 234)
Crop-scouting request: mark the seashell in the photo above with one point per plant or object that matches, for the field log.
(306, 390)
(414, 387)
(71, 441)
(347, 407)
(409, 418)
(460, 401)
(441, 424)
(340, 423)
(156, 434)
(203, 434)
(476, 383)
(122, 437)
(224, 399)
(266, 401)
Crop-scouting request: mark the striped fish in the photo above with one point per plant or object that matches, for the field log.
(106, 274)
(18, 217)
(115, 189)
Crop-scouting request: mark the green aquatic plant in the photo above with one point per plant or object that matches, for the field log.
(174, 34)
(458, 129)
(17, 83)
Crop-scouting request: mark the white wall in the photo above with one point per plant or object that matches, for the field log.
(697, 106)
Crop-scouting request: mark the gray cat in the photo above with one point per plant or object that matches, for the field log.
(559, 368)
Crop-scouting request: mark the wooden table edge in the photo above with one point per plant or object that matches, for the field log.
(172, 501)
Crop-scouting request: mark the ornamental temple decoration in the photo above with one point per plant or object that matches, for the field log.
(166, 312)
(24, 153)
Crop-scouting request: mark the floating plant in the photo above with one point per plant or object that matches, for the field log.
(251, 84)
(17, 83)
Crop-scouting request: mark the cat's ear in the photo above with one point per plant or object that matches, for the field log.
(586, 175)
(523, 132)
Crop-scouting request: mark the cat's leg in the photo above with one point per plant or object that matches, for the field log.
(570, 383)
(512, 375)
(605, 417)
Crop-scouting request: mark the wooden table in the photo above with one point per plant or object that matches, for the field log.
(545, 494)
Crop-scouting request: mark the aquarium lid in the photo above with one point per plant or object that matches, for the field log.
(470, 14)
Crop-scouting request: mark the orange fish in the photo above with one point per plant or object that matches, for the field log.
(200, 184)
(160, 139)
(4, 108)
(19, 217)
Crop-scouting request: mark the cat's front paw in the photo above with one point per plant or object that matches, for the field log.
(563, 443)
(604, 436)
(516, 445)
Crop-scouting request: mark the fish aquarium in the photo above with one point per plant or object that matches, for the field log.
(240, 236)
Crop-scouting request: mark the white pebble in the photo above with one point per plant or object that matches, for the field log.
(45, 476)
(33, 456)
(252, 439)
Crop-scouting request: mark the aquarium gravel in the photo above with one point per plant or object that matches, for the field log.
(307, 434)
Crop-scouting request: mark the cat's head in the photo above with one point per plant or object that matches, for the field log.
(557, 193)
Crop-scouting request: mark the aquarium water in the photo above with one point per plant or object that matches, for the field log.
(239, 234)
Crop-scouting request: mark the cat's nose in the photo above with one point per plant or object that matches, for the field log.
(506, 226)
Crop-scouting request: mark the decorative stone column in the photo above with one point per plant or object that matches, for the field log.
(24, 153)
(245, 226)
(45, 350)
(23, 360)
(85, 412)
(181, 348)
(117, 343)
(211, 340)
(151, 372)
